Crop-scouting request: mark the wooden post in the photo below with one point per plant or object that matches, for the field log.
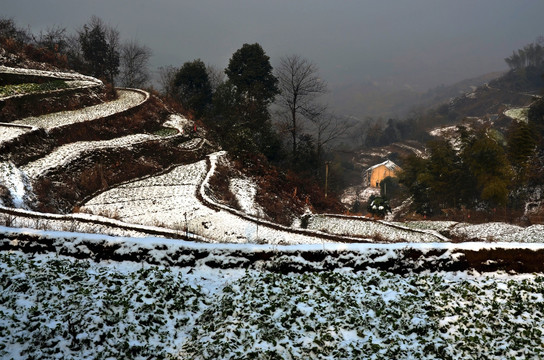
(186, 227)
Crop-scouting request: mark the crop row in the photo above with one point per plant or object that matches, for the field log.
(53, 307)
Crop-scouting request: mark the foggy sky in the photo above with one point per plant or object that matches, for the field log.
(420, 43)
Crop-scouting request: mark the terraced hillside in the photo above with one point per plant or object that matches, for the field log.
(52, 161)
(131, 161)
(113, 159)
(130, 168)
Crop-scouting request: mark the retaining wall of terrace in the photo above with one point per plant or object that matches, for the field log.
(398, 258)
(68, 186)
(37, 143)
(35, 104)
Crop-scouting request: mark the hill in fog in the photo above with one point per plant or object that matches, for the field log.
(390, 99)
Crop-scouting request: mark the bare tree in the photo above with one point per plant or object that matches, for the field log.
(216, 76)
(328, 128)
(54, 39)
(167, 75)
(134, 64)
(74, 52)
(9, 30)
(113, 56)
(300, 86)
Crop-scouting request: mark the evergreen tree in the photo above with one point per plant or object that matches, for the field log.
(521, 148)
(244, 99)
(193, 87)
(447, 176)
(99, 46)
(487, 163)
(414, 177)
(250, 72)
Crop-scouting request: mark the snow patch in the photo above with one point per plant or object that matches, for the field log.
(245, 191)
(518, 114)
(17, 183)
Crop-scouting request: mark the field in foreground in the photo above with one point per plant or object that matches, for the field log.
(54, 307)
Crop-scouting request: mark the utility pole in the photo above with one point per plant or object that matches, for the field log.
(326, 177)
(186, 228)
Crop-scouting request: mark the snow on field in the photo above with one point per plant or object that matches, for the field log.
(56, 307)
(127, 99)
(417, 152)
(11, 132)
(158, 200)
(500, 232)
(245, 191)
(354, 193)
(177, 122)
(70, 152)
(443, 131)
(170, 200)
(431, 225)
(364, 228)
(78, 222)
(518, 114)
(492, 232)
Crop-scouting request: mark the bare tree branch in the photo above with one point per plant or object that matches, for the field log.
(329, 128)
(167, 75)
(134, 64)
(300, 86)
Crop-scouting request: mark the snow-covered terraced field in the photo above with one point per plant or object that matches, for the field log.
(162, 199)
(70, 152)
(170, 200)
(350, 226)
(501, 232)
(56, 307)
(82, 223)
(67, 86)
(490, 232)
(48, 74)
(127, 99)
(11, 132)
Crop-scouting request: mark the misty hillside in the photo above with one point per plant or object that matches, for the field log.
(492, 131)
(386, 100)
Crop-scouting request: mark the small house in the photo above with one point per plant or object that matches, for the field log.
(375, 174)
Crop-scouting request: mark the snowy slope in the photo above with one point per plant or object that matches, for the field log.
(17, 183)
(170, 200)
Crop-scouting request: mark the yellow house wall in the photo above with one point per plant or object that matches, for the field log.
(380, 173)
